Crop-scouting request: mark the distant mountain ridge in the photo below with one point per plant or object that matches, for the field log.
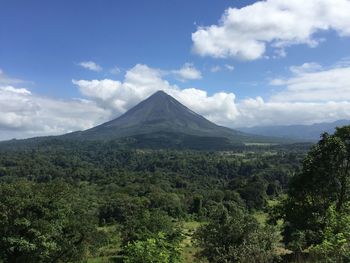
(297, 132)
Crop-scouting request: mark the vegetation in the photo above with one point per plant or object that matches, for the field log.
(62, 201)
(153, 250)
(43, 222)
(232, 235)
(316, 213)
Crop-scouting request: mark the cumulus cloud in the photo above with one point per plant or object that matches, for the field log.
(245, 33)
(90, 65)
(23, 114)
(312, 94)
(284, 107)
(187, 72)
(142, 81)
(219, 107)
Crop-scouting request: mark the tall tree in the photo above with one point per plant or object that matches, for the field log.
(323, 182)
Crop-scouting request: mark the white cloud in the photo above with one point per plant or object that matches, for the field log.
(312, 83)
(187, 72)
(215, 69)
(229, 67)
(305, 68)
(141, 81)
(223, 108)
(245, 33)
(312, 94)
(218, 68)
(23, 114)
(257, 112)
(15, 90)
(90, 65)
(219, 108)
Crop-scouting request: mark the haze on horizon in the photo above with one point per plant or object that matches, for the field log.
(71, 65)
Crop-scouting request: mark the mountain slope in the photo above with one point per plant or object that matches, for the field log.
(296, 132)
(159, 112)
(161, 118)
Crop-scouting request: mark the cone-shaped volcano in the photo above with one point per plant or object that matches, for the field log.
(161, 119)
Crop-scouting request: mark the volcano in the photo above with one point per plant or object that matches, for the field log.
(160, 121)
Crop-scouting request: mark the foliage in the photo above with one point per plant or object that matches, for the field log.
(146, 224)
(42, 222)
(323, 183)
(168, 180)
(121, 207)
(153, 250)
(136, 194)
(335, 246)
(232, 235)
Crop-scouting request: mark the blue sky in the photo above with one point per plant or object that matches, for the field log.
(43, 40)
(239, 63)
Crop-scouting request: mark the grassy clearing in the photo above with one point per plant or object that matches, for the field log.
(108, 252)
(188, 247)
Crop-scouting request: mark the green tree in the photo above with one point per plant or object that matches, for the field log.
(146, 224)
(323, 182)
(153, 250)
(120, 207)
(197, 204)
(233, 235)
(335, 247)
(42, 223)
(168, 202)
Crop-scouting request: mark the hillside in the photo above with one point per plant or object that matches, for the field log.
(309, 133)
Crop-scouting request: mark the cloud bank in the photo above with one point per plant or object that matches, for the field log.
(312, 85)
(23, 114)
(312, 93)
(90, 65)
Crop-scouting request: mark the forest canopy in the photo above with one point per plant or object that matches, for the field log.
(95, 201)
